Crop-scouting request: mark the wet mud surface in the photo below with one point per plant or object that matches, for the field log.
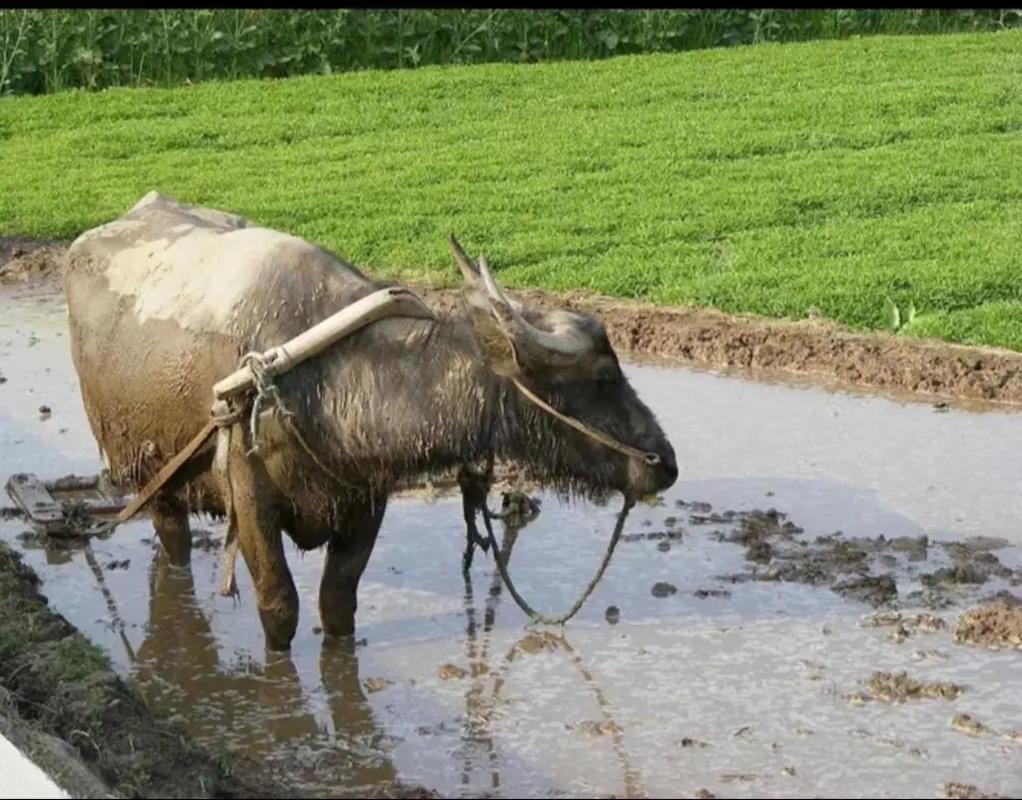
(64, 706)
(994, 625)
(23, 259)
(819, 350)
(818, 623)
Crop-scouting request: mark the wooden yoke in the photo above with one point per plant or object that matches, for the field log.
(395, 301)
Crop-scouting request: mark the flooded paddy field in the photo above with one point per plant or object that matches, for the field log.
(748, 640)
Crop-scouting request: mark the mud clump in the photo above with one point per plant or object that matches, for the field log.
(373, 685)
(899, 687)
(965, 791)
(860, 568)
(915, 547)
(593, 728)
(1004, 597)
(612, 615)
(830, 560)
(450, 672)
(963, 723)
(904, 626)
(756, 532)
(539, 642)
(923, 622)
(702, 594)
(993, 625)
(876, 590)
(23, 259)
(663, 537)
(961, 573)
(928, 655)
(663, 589)
(972, 565)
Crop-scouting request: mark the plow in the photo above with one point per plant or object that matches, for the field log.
(67, 507)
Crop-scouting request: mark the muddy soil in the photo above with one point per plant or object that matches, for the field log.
(899, 687)
(994, 625)
(64, 706)
(860, 568)
(814, 348)
(966, 791)
(24, 259)
(67, 708)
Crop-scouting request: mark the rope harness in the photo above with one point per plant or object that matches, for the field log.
(650, 458)
(229, 409)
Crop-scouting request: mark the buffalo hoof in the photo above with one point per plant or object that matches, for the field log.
(181, 560)
(338, 631)
(279, 630)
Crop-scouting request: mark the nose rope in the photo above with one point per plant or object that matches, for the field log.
(534, 616)
(649, 458)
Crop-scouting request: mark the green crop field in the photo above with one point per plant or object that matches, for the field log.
(771, 179)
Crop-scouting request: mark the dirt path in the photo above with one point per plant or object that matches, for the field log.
(816, 349)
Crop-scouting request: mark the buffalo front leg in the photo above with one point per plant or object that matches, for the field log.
(170, 519)
(347, 555)
(475, 486)
(258, 530)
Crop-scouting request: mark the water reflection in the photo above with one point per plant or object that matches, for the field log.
(478, 746)
(259, 710)
(325, 737)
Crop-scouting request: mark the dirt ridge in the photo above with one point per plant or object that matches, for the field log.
(62, 702)
(814, 349)
(817, 349)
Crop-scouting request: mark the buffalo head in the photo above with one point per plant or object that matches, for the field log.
(566, 359)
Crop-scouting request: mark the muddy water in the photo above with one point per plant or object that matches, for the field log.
(747, 688)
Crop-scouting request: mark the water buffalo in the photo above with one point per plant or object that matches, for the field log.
(162, 303)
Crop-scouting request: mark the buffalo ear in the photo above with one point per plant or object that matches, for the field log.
(491, 336)
(496, 348)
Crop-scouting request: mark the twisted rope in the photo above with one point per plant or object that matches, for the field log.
(266, 392)
(534, 616)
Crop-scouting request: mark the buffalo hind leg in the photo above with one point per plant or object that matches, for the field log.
(259, 539)
(347, 555)
(170, 518)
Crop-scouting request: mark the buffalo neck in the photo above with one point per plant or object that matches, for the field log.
(423, 401)
(481, 413)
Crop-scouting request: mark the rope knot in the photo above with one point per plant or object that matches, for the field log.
(267, 394)
(226, 414)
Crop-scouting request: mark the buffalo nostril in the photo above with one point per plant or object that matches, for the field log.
(670, 467)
